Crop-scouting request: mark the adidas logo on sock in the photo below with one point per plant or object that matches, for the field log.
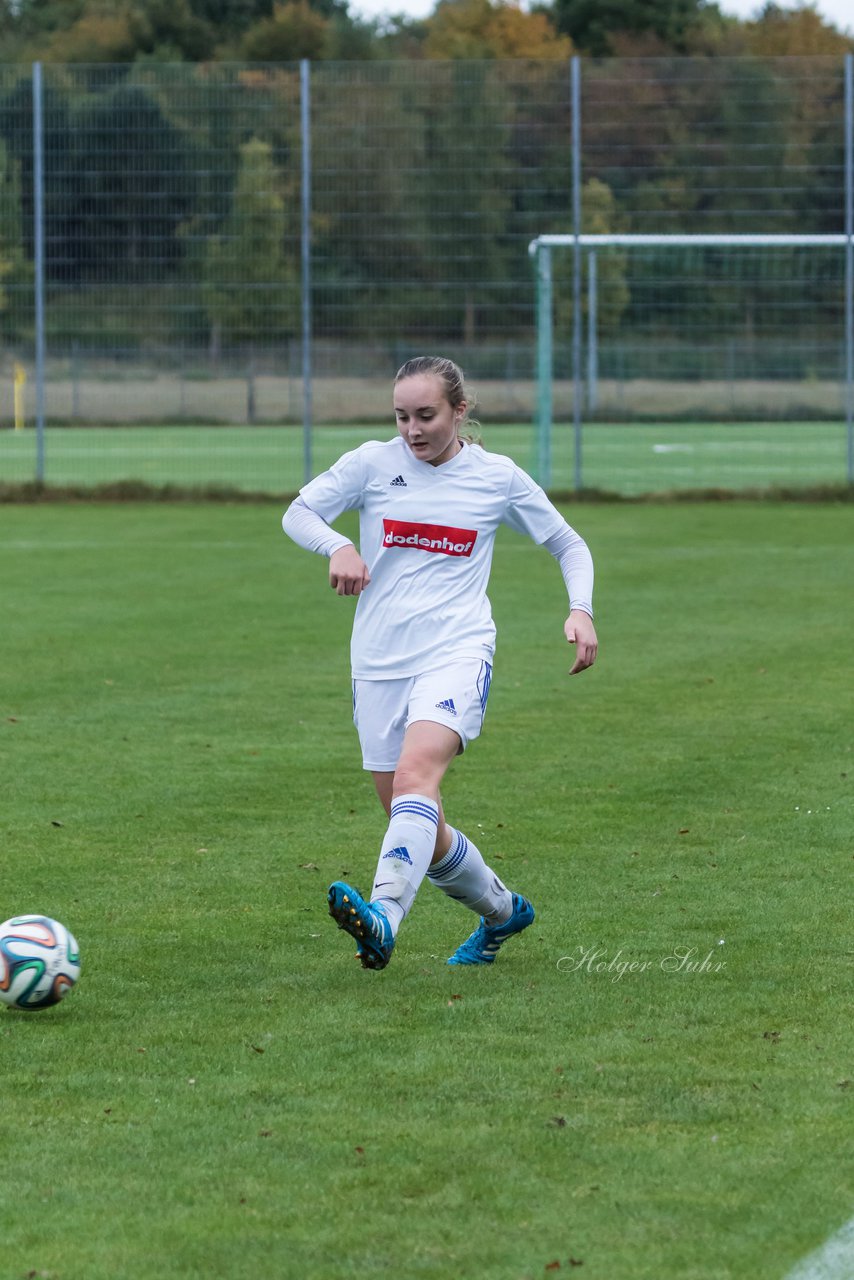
(399, 481)
(447, 705)
(401, 854)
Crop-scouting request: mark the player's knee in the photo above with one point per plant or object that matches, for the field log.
(409, 778)
(416, 774)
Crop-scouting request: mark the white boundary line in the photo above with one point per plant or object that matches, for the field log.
(834, 1260)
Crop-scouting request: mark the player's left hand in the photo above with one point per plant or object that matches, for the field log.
(579, 630)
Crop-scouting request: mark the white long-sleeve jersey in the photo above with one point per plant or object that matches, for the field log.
(427, 535)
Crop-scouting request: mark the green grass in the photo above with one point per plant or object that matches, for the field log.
(227, 1094)
(618, 458)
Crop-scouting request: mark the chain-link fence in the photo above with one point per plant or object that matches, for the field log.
(209, 274)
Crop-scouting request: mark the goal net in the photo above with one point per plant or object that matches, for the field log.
(696, 343)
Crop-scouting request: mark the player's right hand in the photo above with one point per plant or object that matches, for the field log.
(348, 573)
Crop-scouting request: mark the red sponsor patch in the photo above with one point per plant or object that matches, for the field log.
(429, 537)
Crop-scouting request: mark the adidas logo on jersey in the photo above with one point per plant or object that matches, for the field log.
(400, 854)
(447, 705)
(399, 482)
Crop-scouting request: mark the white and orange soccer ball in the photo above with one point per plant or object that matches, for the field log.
(39, 962)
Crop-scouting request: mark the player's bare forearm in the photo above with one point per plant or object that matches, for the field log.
(348, 573)
(579, 630)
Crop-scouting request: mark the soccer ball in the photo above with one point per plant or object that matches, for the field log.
(39, 962)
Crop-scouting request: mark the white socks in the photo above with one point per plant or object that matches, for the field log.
(405, 860)
(405, 855)
(463, 875)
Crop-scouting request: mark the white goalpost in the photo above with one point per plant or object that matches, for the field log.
(583, 269)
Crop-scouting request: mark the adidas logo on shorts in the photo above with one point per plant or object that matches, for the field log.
(447, 705)
(399, 482)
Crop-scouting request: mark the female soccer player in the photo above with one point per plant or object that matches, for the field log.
(423, 639)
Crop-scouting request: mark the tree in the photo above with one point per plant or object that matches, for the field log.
(168, 30)
(295, 31)
(136, 185)
(33, 19)
(15, 271)
(484, 29)
(94, 37)
(62, 192)
(466, 253)
(591, 24)
(781, 33)
(231, 17)
(513, 33)
(599, 216)
(96, 32)
(315, 29)
(249, 280)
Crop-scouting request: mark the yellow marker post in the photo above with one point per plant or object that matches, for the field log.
(20, 383)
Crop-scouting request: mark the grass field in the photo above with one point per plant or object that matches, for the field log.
(227, 1094)
(624, 459)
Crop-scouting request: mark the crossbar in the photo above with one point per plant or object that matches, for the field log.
(723, 241)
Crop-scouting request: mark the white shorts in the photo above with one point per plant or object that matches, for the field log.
(383, 709)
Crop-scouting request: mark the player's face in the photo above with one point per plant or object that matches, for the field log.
(426, 420)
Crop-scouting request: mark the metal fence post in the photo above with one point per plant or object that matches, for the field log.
(849, 261)
(575, 81)
(38, 253)
(545, 370)
(305, 255)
